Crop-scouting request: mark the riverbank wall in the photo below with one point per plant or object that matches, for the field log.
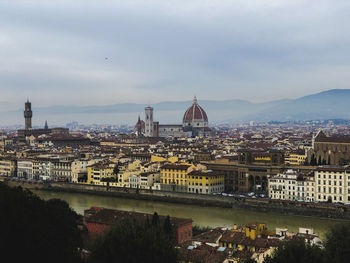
(320, 210)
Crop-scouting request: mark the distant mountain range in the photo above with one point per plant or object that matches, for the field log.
(329, 104)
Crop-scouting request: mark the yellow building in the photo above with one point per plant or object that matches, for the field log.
(252, 237)
(101, 173)
(205, 182)
(173, 177)
(296, 158)
(255, 229)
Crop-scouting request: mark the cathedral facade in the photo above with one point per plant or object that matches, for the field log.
(194, 123)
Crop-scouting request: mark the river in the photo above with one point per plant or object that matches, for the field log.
(201, 216)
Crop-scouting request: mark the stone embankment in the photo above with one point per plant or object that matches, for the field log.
(324, 210)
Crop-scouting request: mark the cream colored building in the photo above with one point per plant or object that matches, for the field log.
(79, 169)
(292, 186)
(148, 179)
(8, 167)
(332, 184)
(25, 168)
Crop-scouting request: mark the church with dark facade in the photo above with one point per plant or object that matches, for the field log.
(329, 150)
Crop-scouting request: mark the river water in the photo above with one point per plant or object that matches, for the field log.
(202, 216)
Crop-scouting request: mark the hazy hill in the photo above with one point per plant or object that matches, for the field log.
(324, 105)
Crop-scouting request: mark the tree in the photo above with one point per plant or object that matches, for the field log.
(116, 170)
(131, 241)
(343, 162)
(168, 229)
(155, 219)
(296, 250)
(313, 160)
(337, 245)
(38, 230)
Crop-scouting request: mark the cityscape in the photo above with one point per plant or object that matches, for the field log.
(189, 139)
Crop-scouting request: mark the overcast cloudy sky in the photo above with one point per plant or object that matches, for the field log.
(100, 52)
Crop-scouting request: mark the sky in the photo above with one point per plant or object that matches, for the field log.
(102, 52)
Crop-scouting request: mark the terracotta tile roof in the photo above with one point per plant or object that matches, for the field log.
(240, 238)
(201, 254)
(211, 236)
(175, 167)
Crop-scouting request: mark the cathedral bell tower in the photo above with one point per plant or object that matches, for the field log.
(28, 115)
(149, 121)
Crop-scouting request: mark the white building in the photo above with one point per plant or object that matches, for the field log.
(292, 185)
(148, 179)
(134, 181)
(332, 184)
(25, 169)
(45, 170)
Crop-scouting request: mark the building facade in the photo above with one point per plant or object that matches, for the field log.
(205, 182)
(329, 150)
(173, 177)
(101, 173)
(332, 184)
(62, 170)
(25, 169)
(292, 185)
(8, 167)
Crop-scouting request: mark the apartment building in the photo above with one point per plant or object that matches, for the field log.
(173, 177)
(80, 169)
(332, 184)
(148, 179)
(205, 182)
(25, 168)
(292, 185)
(62, 170)
(101, 173)
(8, 167)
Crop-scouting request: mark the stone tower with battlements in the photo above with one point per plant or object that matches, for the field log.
(28, 115)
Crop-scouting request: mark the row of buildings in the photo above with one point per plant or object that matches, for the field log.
(324, 184)
(239, 159)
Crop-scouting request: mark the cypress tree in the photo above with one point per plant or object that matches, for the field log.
(167, 225)
(155, 219)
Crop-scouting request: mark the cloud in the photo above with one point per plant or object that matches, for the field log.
(104, 52)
